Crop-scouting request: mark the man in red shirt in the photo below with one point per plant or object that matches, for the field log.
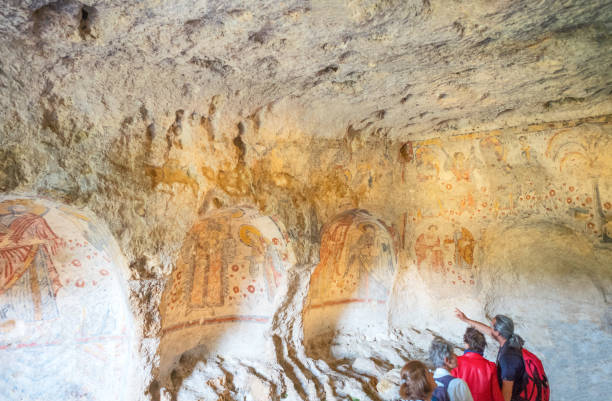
(479, 373)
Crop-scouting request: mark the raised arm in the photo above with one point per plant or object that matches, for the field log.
(483, 328)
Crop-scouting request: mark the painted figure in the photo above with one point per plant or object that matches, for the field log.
(494, 152)
(357, 260)
(29, 281)
(428, 165)
(211, 246)
(332, 244)
(428, 249)
(362, 255)
(460, 164)
(460, 167)
(526, 152)
(464, 248)
(381, 270)
(264, 253)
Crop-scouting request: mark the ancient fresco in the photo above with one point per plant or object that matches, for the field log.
(350, 287)
(357, 262)
(29, 281)
(231, 269)
(468, 183)
(448, 251)
(64, 319)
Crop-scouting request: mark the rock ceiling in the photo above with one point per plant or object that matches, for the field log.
(408, 67)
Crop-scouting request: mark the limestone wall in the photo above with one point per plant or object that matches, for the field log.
(513, 221)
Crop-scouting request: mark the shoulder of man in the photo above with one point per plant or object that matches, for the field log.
(510, 354)
(512, 366)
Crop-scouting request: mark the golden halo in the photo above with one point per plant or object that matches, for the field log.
(246, 233)
(365, 224)
(29, 204)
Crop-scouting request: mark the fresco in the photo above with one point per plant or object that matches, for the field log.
(577, 149)
(448, 251)
(350, 287)
(64, 319)
(231, 269)
(428, 162)
(357, 261)
(494, 152)
(469, 182)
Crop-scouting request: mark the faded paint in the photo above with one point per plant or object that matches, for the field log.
(230, 272)
(63, 307)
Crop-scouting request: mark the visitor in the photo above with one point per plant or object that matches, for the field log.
(479, 373)
(510, 365)
(417, 382)
(444, 360)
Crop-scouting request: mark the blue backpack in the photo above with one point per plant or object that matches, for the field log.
(441, 392)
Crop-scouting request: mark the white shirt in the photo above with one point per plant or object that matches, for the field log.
(458, 390)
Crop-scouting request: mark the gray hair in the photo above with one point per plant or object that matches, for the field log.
(505, 327)
(439, 351)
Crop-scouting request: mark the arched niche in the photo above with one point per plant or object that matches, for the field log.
(542, 272)
(555, 284)
(65, 325)
(350, 286)
(229, 278)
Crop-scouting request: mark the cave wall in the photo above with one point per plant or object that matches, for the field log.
(513, 221)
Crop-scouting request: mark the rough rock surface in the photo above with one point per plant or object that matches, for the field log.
(479, 133)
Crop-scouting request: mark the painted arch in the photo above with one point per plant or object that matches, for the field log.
(65, 325)
(230, 274)
(350, 286)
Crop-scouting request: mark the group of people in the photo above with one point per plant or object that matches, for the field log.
(469, 377)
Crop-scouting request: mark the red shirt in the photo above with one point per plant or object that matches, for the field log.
(480, 376)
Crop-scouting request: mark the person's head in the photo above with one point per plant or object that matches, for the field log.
(442, 355)
(474, 340)
(417, 382)
(503, 328)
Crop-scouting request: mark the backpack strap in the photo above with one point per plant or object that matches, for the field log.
(445, 381)
(441, 391)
